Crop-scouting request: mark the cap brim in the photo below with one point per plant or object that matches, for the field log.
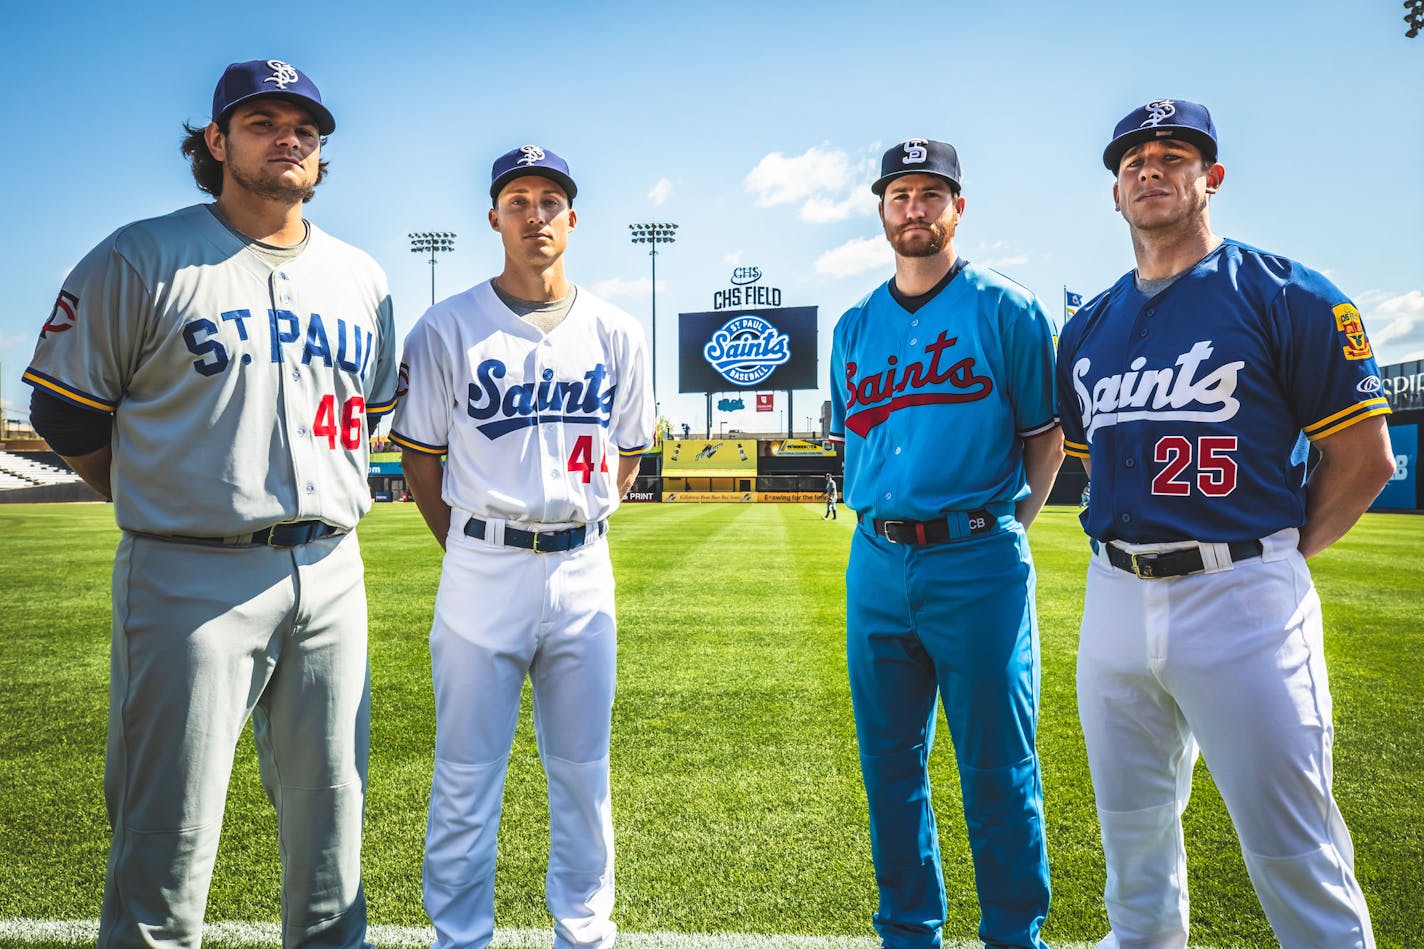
(1112, 155)
(883, 182)
(558, 177)
(325, 122)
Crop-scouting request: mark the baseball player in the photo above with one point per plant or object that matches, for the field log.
(1190, 389)
(540, 394)
(213, 372)
(942, 391)
(832, 495)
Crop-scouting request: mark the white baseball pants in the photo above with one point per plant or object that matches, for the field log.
(1232, 660)
(503, 613)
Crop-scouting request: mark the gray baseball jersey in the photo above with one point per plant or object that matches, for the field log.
(240, 390)
(529, 419)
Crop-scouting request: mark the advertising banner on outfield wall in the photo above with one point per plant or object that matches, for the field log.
(723, 497)
(1404, 385)
(747, 349)
(1401, 493)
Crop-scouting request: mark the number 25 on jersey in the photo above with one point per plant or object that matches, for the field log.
(1215, 468)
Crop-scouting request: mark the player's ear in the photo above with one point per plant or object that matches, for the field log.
(494, 219)
(573, 219)
(216, 141)
(1117, 202)
(959, 204)
(1215, 175)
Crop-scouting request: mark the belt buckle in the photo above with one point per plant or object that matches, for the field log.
(271, 533)
(885, 530)
(534, 542)
(1142, 566)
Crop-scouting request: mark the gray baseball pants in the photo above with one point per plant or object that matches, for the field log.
(203, 639)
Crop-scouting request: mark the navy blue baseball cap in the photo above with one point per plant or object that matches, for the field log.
(1162, 118)
(918, 156)
(531, 160)
(269, 77)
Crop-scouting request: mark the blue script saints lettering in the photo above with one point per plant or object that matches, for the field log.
(1159, 394)
(534, 403)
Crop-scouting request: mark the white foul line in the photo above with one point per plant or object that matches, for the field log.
(85, 932)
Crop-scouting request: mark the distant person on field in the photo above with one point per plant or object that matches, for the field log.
(832, 494)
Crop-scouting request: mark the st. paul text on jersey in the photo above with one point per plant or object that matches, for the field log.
(878, 394)
(351, 353)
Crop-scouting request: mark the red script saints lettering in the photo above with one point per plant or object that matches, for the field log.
(881, 393)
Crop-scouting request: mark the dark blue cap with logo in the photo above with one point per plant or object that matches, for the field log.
(530, 160)
(1162, 118)
(269, 77)
(918, 156)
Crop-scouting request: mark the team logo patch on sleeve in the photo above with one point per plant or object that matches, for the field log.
(1347, 321)
(403, 381)
(62, 317)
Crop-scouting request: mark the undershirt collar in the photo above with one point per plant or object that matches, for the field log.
(912, 304)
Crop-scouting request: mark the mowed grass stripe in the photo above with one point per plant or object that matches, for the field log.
(737, 796)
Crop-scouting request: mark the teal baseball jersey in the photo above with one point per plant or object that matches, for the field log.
(917, 395)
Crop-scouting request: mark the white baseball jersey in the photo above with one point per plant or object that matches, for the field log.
(530, 420)
(240, 390)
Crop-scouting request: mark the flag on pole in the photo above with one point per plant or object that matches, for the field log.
(1071, 302)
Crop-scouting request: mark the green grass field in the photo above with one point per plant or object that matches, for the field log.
(737, 796)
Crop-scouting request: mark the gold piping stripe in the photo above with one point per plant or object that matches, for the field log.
(1382, 410)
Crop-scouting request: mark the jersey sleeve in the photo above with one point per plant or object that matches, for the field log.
(1070, 413)
(1328, 369)
(381, 397)
(89, 343)
(838, 399)
(1028, 343)
(633, 421)
(423, 393)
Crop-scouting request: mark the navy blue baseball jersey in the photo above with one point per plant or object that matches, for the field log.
(1195, 405)
(917, 396)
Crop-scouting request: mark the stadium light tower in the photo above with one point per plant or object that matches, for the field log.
(656, 234)
(431, 242)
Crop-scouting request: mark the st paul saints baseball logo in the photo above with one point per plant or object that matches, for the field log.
(283, 75)
(1158, 112)
(1175, 392)
(532, 154)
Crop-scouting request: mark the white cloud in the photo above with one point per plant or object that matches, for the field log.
(777, 179)
(819, 209)
(827, 183)
(733, 259)
(1003, 263)
(1395, 324)
(856, 257)
(661, 190)
(616, 287)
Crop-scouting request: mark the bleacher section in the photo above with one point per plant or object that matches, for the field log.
(17, 471)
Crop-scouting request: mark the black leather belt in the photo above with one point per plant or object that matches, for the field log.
(289, 534)
(940, 531)
(541, 542)
(1175, 563)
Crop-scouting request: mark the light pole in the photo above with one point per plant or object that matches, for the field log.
(654, 234)
(431, 242)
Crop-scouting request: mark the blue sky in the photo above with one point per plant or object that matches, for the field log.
(757, 127)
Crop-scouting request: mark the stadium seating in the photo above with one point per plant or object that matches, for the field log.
(17, 471)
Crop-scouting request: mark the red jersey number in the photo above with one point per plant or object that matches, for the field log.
(581, 460)
(1215, 468)
(353, 412)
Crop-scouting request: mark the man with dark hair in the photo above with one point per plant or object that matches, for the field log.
(1191, 389)
(539, 394)
(942, 391)
(212, 372)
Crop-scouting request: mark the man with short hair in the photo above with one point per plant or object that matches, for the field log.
(1191, 389)
(212, 371)
(942, 391)
(540, 394)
